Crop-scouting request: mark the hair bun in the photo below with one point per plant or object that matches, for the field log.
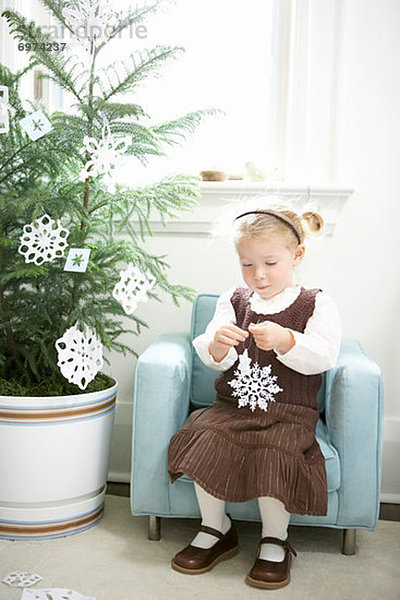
(313, 221)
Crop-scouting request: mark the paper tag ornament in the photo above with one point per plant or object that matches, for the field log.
(244, 363)
(80, 355)
(36, 125)
(105, 154)
(54, 594)
(21, 579)
(4, 122)
(43, 240)
(77, 260)
(132, 288)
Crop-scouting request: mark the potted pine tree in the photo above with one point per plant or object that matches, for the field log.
(68, 281)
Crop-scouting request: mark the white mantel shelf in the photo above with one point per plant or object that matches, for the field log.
(329, 199)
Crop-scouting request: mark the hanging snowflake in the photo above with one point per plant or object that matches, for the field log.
(80, 355)
(254, 386)
(133, 288)
(4, 122)
(105, 154)
(89, 19)
(43, 240)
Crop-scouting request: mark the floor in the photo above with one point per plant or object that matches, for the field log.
(115, 561)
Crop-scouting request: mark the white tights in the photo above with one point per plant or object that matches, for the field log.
(274, 516)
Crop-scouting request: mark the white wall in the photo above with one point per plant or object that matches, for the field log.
(368, 287)
(358, 266)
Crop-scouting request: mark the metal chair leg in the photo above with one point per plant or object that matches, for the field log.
(349, 541)
(154, 528)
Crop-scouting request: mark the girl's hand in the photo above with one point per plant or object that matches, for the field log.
(271, 336)
(224, 338)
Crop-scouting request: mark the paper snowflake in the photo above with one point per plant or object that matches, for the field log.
(132, 288)
(80, 355)
(89, 19)
(4, 122)
(43, 240)
(105, 154)
(254, 386)
(90, 22)
(21, 579)
(54, 594)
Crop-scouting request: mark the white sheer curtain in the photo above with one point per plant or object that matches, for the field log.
(308, 61)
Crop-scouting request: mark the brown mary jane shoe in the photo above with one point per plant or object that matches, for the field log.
(192, 560)
(268, 574)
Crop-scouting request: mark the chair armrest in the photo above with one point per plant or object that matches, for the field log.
(354, 416)
(161, 407)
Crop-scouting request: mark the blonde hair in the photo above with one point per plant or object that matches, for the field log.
(307, 224)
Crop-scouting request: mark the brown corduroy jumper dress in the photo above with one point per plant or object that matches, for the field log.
(258, 438)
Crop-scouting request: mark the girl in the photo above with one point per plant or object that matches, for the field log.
(271, 340)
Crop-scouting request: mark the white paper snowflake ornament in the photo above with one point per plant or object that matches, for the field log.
(54, 594)
(132, 288)
(254, 386)
(43, 240)
(105, 155)
(22, 579)
(80, 355)
(91, 22)
(89, 19)
(4, 122)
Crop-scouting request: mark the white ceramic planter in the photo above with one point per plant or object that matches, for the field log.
(54, 459)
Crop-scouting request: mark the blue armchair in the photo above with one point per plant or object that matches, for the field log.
(171, 381)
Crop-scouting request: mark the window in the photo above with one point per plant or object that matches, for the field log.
(272, 65)
(227, 65)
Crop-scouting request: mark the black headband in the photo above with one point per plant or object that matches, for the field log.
(277, 215)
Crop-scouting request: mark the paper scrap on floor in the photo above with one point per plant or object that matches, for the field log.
(21, 579)
(54, 594)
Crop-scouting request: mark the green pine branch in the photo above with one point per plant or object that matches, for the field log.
(38, 303)
(56, 7)
(134, 69)
(176, 130)
(118, 110)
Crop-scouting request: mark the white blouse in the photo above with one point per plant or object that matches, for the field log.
(316, 350)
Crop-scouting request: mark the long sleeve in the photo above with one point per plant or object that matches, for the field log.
(316, 350)
(224, 315)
